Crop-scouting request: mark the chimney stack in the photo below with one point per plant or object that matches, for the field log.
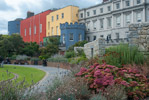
(30, 14)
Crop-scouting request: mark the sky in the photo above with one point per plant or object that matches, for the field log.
(12, 9)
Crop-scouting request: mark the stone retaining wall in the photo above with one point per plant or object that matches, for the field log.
(139, 36)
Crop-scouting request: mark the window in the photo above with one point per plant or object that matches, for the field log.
(62, 15)
(94, 38)
(109, 8)
(80, 37)
(88, 38)
(30, 31)
(48, 25)
(101, 23)
(63, 38)
(102, 36)
(118, 6)
(57, 30)
(117, 36)
(52, 18)
(101, 10)
(34, 29)
(88, 13)
(25, 32)
(94, 12)
(94, 24)
(40, 28)
(139, 17)
(109, 36)
(52, 31)
(71, 36)
(57, 17)
(81, 15)
(127, 3)
(118, 21)
(138, 1)
(88, 26)
(109, 22)
(128, 18)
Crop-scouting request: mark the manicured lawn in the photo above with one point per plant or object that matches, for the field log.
(4, 75)
(29, 74)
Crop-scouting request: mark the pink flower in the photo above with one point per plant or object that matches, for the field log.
(124, 83)
(107, 70)
(59, 98)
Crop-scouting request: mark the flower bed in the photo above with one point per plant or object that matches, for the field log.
(99, 77)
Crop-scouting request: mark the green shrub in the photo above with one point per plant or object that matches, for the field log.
(78, 44)
(70, 54)
(123, 54)
(77, 60)
(13, 57)
(35, 59)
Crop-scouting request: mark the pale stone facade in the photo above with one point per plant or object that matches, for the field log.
(112, 18)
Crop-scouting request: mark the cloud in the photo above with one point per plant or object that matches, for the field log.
(10, 10)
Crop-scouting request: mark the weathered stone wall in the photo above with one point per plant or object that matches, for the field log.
(94, 48)
(139, 36)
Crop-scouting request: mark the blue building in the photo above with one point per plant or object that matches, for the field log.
(14, 26)
(71, 33)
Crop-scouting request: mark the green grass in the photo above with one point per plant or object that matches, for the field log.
(4, 75)
(29, 74)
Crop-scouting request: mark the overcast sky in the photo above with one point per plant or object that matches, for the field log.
(12, 9)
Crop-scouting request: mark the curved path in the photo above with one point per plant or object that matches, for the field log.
(51, 73)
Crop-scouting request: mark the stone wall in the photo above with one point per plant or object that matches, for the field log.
(94, 48)
(139, 36)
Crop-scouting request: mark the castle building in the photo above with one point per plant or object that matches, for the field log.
(33, 28)
(71, 34)
(111, 18)
(14, 26)
(67, 14)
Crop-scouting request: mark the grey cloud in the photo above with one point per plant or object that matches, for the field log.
(4, 6)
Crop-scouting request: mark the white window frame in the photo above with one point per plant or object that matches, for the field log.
(139, 16)
(30, 31)
(128, 18)
(40, 28)
(101, 23)
(118, 20)
(35, 29)
(57, 30)
(80, 37)
(109, 22)
(94, 24)
(25, 32)
(94, 12)
(63, 39)
(117, 7)
(101, 10)
(109, 8)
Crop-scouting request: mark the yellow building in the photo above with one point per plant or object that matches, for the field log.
(54, 19)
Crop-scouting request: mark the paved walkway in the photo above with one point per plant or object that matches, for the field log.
(51, 73)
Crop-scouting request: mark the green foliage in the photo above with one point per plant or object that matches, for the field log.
(58, 58)
(78, 44)
(30, 49)
(123, 54)
(70, 54)
(77, 60)
(51, 48)
(35, 59)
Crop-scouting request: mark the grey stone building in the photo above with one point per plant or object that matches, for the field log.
(111, 18)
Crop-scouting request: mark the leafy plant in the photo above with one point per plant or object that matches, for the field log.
(70, 54)
(123, 54)
(99, 76)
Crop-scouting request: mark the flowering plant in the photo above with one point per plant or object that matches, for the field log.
(100, 77)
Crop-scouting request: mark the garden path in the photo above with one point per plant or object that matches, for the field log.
(51, 73)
